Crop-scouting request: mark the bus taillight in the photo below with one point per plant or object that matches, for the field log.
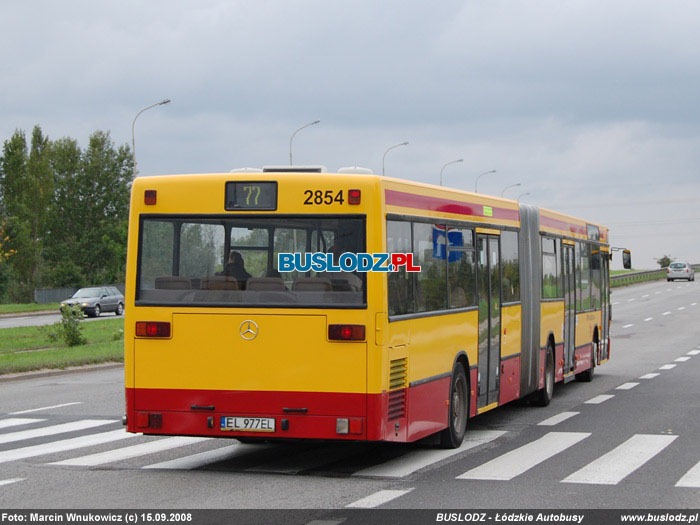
(346, 332)
(150, 197)
(354, 196)
(152, 329)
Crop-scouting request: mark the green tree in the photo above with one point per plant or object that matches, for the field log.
(665, 261)
(26, 181)
(89, 213)
(63, 212)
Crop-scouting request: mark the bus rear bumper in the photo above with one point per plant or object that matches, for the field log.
(291, 415)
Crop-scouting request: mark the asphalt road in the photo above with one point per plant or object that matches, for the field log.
(629, 439)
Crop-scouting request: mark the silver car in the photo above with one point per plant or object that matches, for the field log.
(94, 301)
(680, 270)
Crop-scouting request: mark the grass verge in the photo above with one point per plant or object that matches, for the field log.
(26, 307)
(29, 348)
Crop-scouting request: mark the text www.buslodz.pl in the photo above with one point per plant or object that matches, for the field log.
(347, 262)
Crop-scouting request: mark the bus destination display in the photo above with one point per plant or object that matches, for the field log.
(251, 195)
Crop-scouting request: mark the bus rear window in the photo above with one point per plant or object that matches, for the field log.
(205, 261)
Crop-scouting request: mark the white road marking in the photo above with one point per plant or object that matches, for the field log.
(667, 367)
(691, 478)
(135, 451)
(682, 308)
(666, 313)
(554, 420)
(419, 459)
(693, 304)
(615, 303)
(46, 408)
(597, 400)
(669, 289)
(657, 292)
(16, 421)
(682, 359)
(620, 462)
(626, 386)
(643, 296)
(204, 458)
(54, 429)
(649, 319)
(630, 300)
(649, 376)
(10, 481)
(515, 462)
(628, 326)
(378, 498)
(64, 444)
(694, 352)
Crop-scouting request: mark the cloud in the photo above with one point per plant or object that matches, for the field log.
(591, 105)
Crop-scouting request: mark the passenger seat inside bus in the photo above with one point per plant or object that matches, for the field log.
(172, 283)
(266, 284)
(219, 282)
(312, 284)
(458, 299)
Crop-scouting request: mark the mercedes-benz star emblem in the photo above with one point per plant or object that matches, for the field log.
(248, 330)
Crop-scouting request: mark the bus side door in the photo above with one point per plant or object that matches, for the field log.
(489, 297)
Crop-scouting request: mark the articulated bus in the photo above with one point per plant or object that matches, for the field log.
(510, 299)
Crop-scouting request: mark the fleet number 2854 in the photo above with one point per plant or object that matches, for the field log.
(323, 197)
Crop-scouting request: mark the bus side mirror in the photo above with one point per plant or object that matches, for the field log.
(626, 259)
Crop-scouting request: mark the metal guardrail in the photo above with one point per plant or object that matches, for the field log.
(640, 277)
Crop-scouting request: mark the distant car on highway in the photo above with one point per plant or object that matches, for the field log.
(680, 270)
(93, 301)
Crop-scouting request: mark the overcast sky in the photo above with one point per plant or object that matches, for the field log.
(591, 105)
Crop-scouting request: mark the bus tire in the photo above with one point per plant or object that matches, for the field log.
(544, 396)
(587, 375)
(458, 410)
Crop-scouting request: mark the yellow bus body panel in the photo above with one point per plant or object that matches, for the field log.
(552, 321)
(512, 330)
(207, 352)
(586, 324)
(435, 341)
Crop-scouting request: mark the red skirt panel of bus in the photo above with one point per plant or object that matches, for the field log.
(558, 362)
(583, 358)
(312, 415)
(510, 380)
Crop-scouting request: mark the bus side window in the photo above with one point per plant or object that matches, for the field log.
(461, 268)
(429, 253)
(510, 266)
(399, 284)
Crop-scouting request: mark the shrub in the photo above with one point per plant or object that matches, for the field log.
(69, 328)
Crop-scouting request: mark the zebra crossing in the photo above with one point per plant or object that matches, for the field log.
(611, 467)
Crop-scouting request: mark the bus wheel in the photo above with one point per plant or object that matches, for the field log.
(587, 375)
(544, 396)
(453, 435)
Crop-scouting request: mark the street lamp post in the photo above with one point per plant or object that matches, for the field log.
(133, 137)
(523, 195)
(388, 150)
(292, 138)
(511, 186)
(443, 168)
(476, 182)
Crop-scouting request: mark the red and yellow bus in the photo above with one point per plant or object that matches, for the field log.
(510, 299)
